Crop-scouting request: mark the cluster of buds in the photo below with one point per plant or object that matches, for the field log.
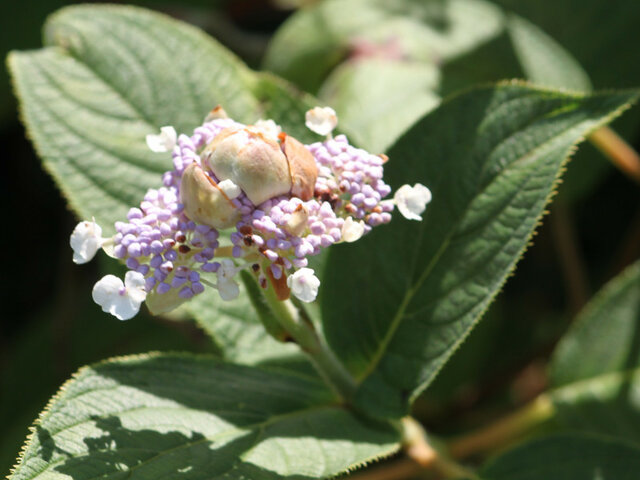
(276, 201)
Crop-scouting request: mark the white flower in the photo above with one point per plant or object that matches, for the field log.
(269, 127)
(164, 142)
(86, 240)
(412, 201)
(121, 300)
(230, 189)
(227, 286)
(321, 120)
(304, 284)
(352, 230)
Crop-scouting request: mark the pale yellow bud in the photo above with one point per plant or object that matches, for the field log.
(303, 168)
(204, 202)
(298, 221)
(251, 159)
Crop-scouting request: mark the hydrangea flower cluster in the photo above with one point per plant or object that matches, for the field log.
(281, 201)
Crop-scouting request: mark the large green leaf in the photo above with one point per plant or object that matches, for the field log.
(237, 330)
(543, 60)
(605, 337)
(491, 157)
(566, 458)
(596, 366)
(110, 75)
(378, 100)
(316, 39)
(194, 417)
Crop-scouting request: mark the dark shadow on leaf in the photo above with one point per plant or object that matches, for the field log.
(137, 454)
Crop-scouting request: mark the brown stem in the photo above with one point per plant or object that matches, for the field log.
(616, 149)
(505, 431)
(569, 256)
(403, 468)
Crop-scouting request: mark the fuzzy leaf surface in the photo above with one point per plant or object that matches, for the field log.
(110, 75)
(195, 417)
(397, 304)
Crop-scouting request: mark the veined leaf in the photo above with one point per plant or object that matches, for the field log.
(566, 458)
(195, 417)
(108, 76)
(596, 366)
(491, 157)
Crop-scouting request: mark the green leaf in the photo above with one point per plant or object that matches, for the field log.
(194, 417)
(544, 61)
(378, 100)
(316, 39)
(606, 334)
(491, 157)
(596, 366)
(110, 75)
(566, 458)
(236, 329)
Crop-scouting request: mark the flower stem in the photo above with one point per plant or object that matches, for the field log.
(505, 431)
(621, 154)
(304, 334)
(421, 450)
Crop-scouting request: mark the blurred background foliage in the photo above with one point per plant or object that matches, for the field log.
(382, 65)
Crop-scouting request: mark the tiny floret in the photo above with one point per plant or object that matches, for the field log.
(352, 230)
(304, 284)
(122, 300)
(230, 189)
(227, 286)
(85, 241)
(412, 201)
(164, 142)
(321, 120)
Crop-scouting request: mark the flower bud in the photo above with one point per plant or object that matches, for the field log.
(204, 201)
(303, 167)
(251, 159)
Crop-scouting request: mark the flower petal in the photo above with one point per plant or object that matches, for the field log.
(85, 241)
(229, 290)
(352, 230)
(164, 142)
(229, 188)
(304, 284)
(135, 285)
(412, 201)
(114, 298)
(321, 120)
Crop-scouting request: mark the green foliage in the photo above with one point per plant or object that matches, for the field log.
(543, 60)
(110, 75)
(596, 366)
(369, 110)
(186, 415)
(396, 305)
(490, 157)
(566, 458)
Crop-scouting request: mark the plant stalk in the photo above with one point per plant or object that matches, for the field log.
(505, 431)
(621, 154)
(304, 334)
